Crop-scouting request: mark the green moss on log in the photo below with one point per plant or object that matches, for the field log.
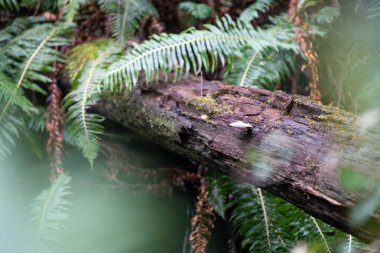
(207, 105)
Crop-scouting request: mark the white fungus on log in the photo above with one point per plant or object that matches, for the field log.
(240, 124)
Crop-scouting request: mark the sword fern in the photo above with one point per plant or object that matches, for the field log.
(194, 50)
(25, 62)
(84, 127)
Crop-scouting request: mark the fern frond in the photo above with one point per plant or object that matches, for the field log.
(18, 26)
(322, 234)
(85, 127)
(198, 11)
(325, 15)
(70, 8)
(126, 16)
(12, 122)
(373, 9)
(25, 60)
(48, 212)
(266, 220)
(249, 217)
(28, 58)
(81, 54)
(39, 5)
(253, 11)
(9, 5)
(264, 71)
(253, 211)
(193, 49)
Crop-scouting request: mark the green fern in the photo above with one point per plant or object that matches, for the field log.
(265, 71)
(18, 26)
(253, 11)
(25, 61)
(9, 5)
(82, 126)
(70, 8)
(126, 16)
(21, 107)
(267, 223)
(373, 9)
(192, 50)
(39, 5)
(48, 213)
(198, 11)
(325, 15)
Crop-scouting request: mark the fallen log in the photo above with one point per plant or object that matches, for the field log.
(286, 144)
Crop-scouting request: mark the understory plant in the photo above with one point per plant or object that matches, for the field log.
(53, 41)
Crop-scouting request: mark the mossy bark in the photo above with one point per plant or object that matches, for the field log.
(295, 149)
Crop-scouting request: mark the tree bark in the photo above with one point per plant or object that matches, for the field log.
(295, 148)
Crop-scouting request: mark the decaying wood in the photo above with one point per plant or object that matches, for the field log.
(295, 148)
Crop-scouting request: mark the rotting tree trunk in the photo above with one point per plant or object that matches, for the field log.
(294, 150)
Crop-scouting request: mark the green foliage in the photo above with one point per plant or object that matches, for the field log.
(265, 71)
(326, 15)
(189, 51)
(45, 5)
(18, 26)
(81, 54)
(9, 5)
(192, 50)
(349, 57)
(370, 7)
(25, 62)
(126, 16)
(48, 213)
(267, 223)
(198, 11)
(70, 8)
(13, 120)
(253, 11)
(83, 127)
(354, 180)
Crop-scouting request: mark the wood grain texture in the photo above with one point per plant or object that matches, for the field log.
(294, 150)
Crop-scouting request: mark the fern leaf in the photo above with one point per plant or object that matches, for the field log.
(12, 121)
(126, 16)
(11, 5)
(253, 11)
(39, 5)
(373, 9)
(322, 235)
(193, 49)
(253, 211)
(38, 54)
(25, 60)
(198, 11)
(85, 127)
(70, 8)
(325, 15)
(18, 26)
(264, 71)
(266, 221)
(81, 54)
(216, 198)
(48, 212)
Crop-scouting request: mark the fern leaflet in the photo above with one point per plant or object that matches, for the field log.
(193, 49)
(253, 11)
(85, 127)
(48, 212)
(126, 16)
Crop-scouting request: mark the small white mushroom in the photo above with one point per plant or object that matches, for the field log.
(240, 124)
(204, 117)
